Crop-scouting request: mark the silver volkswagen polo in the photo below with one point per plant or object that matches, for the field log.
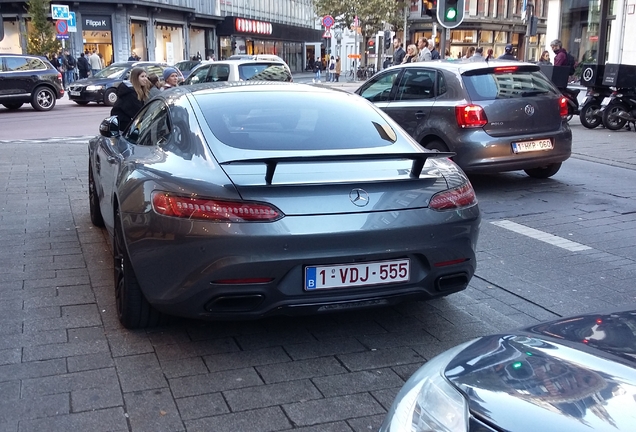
(496, 116)
(242, 200)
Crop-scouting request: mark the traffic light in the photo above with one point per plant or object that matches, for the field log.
(387, 40)
(428, 8)
(533, 22)
(450, 13)
(371, 46)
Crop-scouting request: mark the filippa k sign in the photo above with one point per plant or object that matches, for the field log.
(96, 23)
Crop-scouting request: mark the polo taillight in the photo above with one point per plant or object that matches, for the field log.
(453, 199)
(470, 116)
(213, 210)
(563, 106)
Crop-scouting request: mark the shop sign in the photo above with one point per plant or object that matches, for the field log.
(96, 22)
(251, 26)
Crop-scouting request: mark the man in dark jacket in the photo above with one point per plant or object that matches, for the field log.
(508, 55)
(561, 58)
(82, 66)
(399, 53)
(127, 104)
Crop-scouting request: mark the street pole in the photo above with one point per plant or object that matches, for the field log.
(406, 14)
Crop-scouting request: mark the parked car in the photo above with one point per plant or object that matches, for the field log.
(186, 66)
(239, 70)
(575, 374)
(29, 79)
(102, 88)
(226, 201)
(496, 116)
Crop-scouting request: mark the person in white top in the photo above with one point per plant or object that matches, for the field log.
(332, 69)
(425, 53)
(95, 62)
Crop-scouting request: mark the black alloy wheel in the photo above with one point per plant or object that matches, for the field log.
(133, 310)
(93, 201)
(43, 99)
(437, 145)
(611, 120)
(110, 97)
(544, 172)
(589, 115)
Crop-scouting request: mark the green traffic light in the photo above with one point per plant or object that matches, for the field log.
(451, 14)
(517, 365)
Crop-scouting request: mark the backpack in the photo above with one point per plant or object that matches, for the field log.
(571, 63)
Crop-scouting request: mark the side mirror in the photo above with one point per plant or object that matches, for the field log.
(109, 127)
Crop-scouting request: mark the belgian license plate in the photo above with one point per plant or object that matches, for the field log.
(357, 275)
(528, 146)
(75, 93)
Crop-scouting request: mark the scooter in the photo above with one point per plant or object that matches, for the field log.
(591, 111)
(621, 109)
(573, 103)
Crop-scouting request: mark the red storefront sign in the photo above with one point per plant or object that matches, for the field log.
(243, 25)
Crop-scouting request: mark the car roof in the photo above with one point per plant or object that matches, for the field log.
(461, 66)
(242, 61)
(238, 86)
(138, 63)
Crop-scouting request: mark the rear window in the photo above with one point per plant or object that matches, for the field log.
(281, 120)
(506, 83)
(263, 72)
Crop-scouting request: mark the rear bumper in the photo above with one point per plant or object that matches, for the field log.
(478, 152)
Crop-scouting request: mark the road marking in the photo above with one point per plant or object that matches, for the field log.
(542, 236)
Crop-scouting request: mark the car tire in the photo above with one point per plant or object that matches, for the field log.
(544, 172)
(588, 117)
(13, 106)
(610, 120)
(133, 310)
(110, 97)
(93, 201)
(81, 102)
(437, 145)
(43, 99)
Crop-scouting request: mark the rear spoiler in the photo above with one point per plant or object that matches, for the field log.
(271, 162)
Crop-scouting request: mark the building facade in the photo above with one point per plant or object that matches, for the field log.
(181, 29)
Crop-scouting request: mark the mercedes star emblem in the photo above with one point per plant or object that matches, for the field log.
(359, 197)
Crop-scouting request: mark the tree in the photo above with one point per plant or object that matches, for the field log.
(41, 38)
(372, 14)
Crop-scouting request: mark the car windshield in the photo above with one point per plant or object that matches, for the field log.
(112, 71)
(186, 65)
(263, 72)
(506, 83)
(281, 120)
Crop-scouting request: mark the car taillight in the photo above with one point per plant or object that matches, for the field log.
(453, 199)
(470, 116)
(505, 69)
(563, 106)
(213, 210)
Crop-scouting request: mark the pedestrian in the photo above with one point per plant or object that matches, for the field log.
(507, 55)
(133, 57)
(332, 69)
(398, 53)
(424, 52)
(490, 55)
(170, 78)
(69, 67)
(83, 67)
(545, 58)
(469, 53)
(101, 61)
(95, 62)
(434, 53)
(561, 55)
(478, 56)
(131, 96)
(411, 54)
(338, 68)
(317, 68)
(154, 85)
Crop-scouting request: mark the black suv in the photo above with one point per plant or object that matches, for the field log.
(102, 88)
(29, 79)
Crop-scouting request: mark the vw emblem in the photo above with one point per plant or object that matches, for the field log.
(587, 75)
(529, 109)
(359, 197)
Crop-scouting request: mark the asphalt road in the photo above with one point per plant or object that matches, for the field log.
(547, 248)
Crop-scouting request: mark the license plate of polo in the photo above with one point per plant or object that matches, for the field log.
(75, 93)
(528, 146)
(357, 275)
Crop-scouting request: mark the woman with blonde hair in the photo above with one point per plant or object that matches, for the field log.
(131, 96)
(411, 54)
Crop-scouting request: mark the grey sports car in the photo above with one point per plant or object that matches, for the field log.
(242, 200)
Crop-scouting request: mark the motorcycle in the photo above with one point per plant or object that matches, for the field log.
(573, 102)
(591, 111)
(621, 109)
